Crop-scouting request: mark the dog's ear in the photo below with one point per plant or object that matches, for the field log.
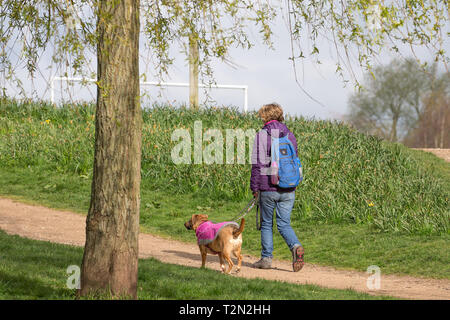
(197, 219)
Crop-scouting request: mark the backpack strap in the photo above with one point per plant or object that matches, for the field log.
(274, 147)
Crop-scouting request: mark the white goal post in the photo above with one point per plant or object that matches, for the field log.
(147, 83)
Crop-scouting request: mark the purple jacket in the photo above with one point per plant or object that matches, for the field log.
(260, 181)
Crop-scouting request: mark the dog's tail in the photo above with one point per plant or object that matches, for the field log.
(237, 232)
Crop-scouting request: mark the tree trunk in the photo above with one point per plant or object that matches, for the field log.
(425, 139)
(110, 260)
(442, 131)
(193, 72)
(394, 128)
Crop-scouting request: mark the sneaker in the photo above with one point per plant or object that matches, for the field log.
(263, 263)
(297, 257)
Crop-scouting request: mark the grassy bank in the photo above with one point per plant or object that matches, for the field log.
(32, 269)
(363, 201)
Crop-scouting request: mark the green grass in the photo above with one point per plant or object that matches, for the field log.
(349, 177)
(31, 269)
(405, 231)
(349, 246)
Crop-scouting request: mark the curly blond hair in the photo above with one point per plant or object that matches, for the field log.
(271, 111)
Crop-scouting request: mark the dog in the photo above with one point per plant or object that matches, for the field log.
(222, 239)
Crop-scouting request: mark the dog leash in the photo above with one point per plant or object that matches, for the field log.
(247, 209)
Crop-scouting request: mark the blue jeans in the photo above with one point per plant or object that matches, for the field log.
(283, 204)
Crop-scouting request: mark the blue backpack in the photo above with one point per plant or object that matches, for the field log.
(286, 167)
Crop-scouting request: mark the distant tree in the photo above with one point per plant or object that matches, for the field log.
(432, 128)
(390, 101)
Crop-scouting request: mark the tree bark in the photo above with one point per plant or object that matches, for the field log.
(110, 260)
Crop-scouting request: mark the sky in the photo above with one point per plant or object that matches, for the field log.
(268, 73)
(270, 77)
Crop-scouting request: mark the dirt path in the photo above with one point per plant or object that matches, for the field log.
(41, 223)
(441, 153)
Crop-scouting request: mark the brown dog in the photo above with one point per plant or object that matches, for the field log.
(227, 241)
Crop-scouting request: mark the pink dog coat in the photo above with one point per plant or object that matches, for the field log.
(207, 232)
